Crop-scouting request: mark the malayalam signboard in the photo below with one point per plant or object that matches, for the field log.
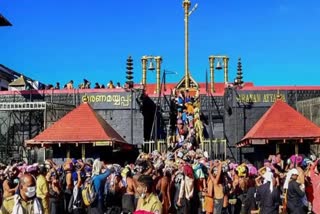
(112, 100)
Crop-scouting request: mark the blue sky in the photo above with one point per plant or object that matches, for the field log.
(59, 40)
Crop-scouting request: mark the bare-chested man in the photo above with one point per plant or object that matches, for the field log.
(128, 199)
(10, 185)
(163, 186)
(68, 168)
(217, 186)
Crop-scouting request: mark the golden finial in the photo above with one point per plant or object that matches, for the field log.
(279, 97)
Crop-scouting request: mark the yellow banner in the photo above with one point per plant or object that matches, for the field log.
(103, 143)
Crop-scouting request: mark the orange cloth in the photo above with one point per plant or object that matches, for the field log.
(190, 109)
(208, 204)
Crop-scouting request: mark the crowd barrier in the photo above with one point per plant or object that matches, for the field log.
(216, 148)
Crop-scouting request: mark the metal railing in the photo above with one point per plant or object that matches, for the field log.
(216, 148)
(22, 106)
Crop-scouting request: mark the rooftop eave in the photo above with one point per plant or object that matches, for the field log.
(263, 141)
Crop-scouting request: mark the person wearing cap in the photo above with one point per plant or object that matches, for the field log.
(148, 201)
(295, 162)
(295, 194)
(268, 195)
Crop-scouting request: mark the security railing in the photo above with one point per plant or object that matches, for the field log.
(216, 148)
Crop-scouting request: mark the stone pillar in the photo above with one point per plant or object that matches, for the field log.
(158, 60)
(225, 63)
(211, 63)
(144, 70)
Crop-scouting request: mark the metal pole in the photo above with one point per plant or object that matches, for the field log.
(211, 121)
(186, 5)
(156, 126)
(155, 117)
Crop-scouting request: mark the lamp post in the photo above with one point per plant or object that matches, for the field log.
(165, 72)
(151, 59)
(154, 128)
(221, 61)
(169, 126)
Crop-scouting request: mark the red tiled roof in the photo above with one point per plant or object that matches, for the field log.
(81, 125)
(281, 122)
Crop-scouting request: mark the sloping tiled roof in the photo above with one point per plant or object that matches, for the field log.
(81, 125)
(281, 122)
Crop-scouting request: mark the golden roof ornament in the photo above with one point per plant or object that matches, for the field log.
(279, 97)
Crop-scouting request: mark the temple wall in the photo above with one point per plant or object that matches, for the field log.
(18, 126)
(233, 115)
(310, 108)
(243, 108)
